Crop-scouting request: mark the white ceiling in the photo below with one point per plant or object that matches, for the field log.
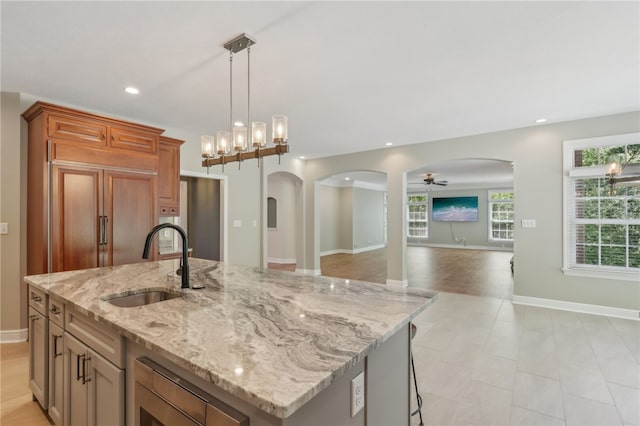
(350, 75)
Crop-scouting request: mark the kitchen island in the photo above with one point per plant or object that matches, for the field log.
(280, 347)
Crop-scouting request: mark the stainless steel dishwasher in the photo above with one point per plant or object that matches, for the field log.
(165, 399)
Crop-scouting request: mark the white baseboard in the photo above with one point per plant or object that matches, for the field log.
(399, 283)
(355, 251)
(278, 260)
(460, 246)
(14, 336)
(577, 307)
(309, 271)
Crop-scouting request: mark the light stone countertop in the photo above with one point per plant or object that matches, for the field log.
(291, 334)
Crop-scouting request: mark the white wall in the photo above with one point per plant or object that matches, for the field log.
(330, 218)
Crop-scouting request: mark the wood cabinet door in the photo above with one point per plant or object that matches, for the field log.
(106, 392)
(132, 139)
(169, 177)
(75, 217)
(38, 356)
(56, 370)
(131, 206)
(76, 129)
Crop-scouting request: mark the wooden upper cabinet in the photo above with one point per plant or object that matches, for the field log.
(169, 176)
(77, 130)
(132, 139)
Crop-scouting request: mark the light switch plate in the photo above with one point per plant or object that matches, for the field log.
(357, 394)
(237, 223)
(528, 223)
(4, 228)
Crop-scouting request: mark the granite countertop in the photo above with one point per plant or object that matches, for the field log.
(272, 338)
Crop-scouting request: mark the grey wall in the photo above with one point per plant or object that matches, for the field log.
(282, 239)
(330, 218)
(13, 180)
(351, 219)
(368, 218)
(538, 178)
(345, 212)
(476, 234)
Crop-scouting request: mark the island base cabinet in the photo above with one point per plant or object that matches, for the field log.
(94, 388)
(56, 374)
(38, 331)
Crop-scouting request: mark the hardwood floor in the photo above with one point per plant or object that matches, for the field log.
(16, 405)
(475, 272)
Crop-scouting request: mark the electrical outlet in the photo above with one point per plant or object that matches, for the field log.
(357, 394)
(4, 228)
(237, 223)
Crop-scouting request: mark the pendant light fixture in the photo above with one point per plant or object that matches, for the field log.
(245, 142)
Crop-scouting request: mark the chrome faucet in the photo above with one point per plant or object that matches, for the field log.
(184, 262)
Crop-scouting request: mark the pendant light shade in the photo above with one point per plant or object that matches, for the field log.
(280, 129)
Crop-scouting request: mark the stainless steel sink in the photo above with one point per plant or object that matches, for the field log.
(141, 299)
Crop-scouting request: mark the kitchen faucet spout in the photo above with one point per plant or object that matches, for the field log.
(184, 261)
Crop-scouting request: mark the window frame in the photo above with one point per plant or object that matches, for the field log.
(570, 173)
(426, 214)
(490, 221)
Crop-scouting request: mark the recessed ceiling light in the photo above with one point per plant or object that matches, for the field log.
(388, 144)
(541, 120)
(238, 124)
(131, 90)
(302, 157)
(347, 178)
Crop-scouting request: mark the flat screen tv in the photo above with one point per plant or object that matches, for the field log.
(455, 209)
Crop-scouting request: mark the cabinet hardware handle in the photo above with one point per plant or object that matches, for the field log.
(34, 317)
(106, 233)
(55, 346)
(54, 310)
(78, 376)
(85, 379)
(101, 236)
(36, 298)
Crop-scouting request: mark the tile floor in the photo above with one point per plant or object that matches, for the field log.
(484, 361)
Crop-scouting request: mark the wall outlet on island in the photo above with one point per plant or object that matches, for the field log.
(357, 394)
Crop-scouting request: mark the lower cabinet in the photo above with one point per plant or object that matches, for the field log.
(93, 387)
(38, 366)
(56, 374)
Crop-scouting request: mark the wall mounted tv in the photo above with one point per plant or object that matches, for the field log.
(455, 209)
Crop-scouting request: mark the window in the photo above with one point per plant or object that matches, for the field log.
(603, 224)
(501, 215)
(417, 216)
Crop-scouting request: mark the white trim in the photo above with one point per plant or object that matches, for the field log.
(355, 251)
(224, 203)
(398, 283)
(457, 246)
(14, 336)
(577, 307)
(278, 260)
(308, 271)
(609, 275)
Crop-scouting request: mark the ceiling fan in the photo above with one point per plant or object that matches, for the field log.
(430, 180)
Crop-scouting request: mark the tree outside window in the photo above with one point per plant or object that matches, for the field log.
(417, 216)
(501, 215)
(604, 224)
